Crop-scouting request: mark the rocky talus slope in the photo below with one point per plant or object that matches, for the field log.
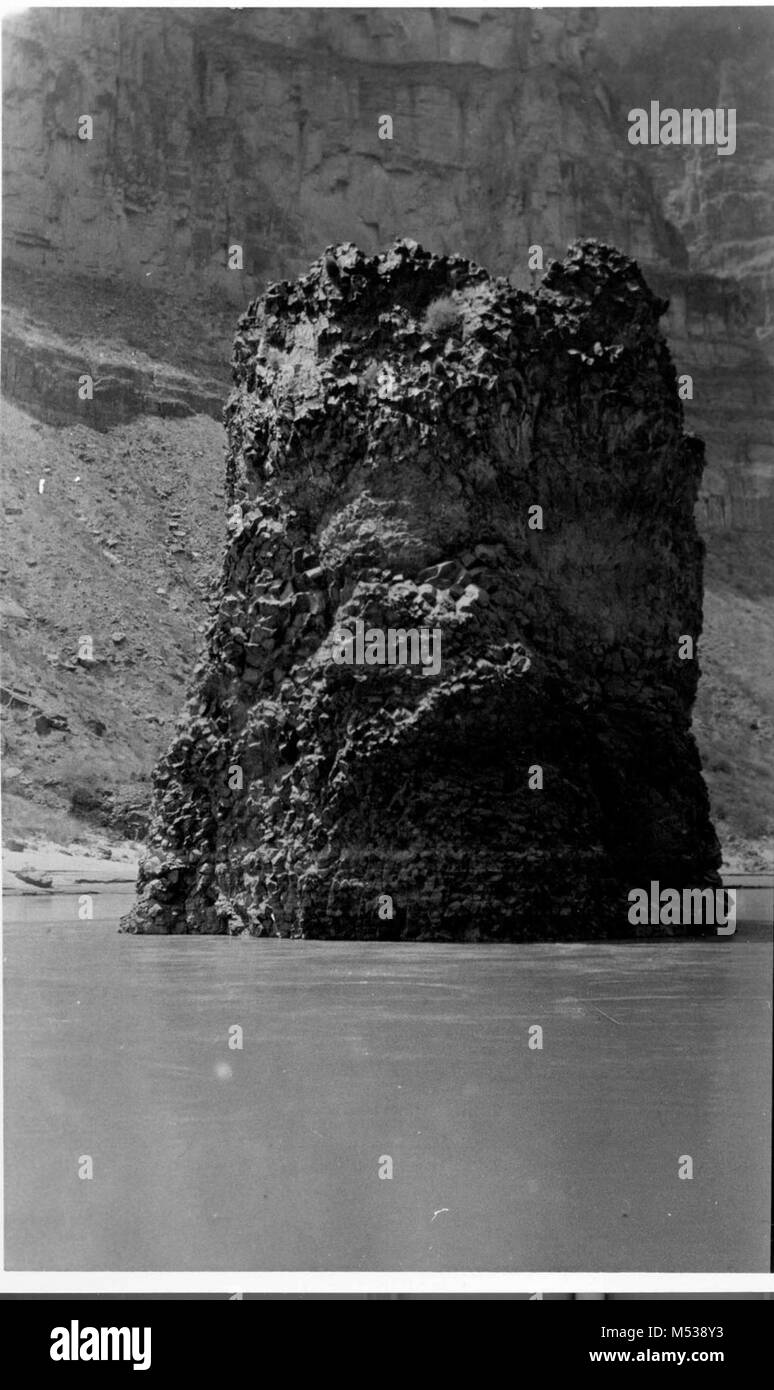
(114, 537)
(416, 445)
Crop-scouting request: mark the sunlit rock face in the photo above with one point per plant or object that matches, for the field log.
(415, 446)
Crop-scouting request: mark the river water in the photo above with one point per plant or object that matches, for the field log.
(268, 1157)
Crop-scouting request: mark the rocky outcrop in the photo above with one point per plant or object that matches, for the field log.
(48, 378)
(415, 445)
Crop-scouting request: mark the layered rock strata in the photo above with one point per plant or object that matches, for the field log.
(416, 445)
(260, 127)
(45, 375)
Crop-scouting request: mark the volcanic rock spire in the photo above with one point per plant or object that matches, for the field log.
(415, 447)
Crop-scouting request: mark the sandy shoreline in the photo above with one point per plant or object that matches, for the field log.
(54, 870)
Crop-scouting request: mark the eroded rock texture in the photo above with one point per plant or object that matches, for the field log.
(383, 462)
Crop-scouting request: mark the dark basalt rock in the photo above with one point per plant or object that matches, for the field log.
(382, 464)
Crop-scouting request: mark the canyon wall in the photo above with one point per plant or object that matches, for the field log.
(721, 321)
(261, 128)
(414, 445)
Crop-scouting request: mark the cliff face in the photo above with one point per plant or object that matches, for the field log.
(414, 446)
(261, 128)
(41, 367)
(721, 322)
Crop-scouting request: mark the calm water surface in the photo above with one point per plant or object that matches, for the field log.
(504, 1158)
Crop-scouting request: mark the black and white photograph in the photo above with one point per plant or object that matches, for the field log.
(388, 643)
